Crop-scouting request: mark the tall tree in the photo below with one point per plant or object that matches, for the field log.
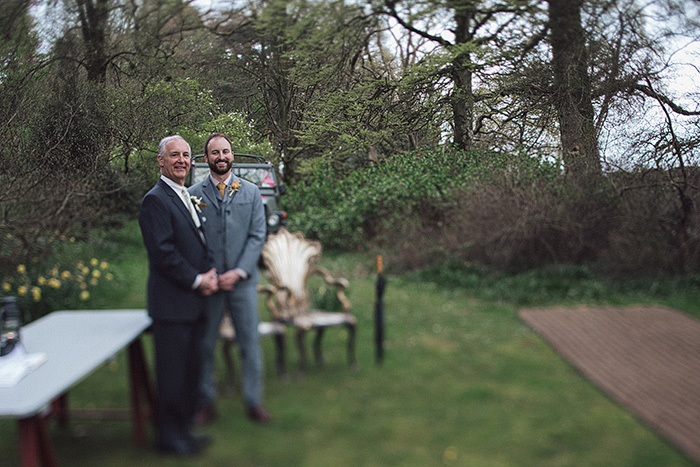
(112, 38)
(66, 128)
(572, 89)
(93, 17)
(285, 63)
(462, 30)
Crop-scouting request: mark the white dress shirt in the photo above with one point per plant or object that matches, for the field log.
(185, 198)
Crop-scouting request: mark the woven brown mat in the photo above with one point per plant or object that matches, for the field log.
(647, 358)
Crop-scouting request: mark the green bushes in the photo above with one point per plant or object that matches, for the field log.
(414, 204)
(75, 277)
(347, 212)
(502, 210)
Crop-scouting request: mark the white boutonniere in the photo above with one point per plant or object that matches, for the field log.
(198, 204)
(235, 186)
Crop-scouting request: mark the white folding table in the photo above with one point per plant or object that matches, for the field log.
(75, 344)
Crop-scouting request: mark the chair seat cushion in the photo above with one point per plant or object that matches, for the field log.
(267, 328)
(317, 319)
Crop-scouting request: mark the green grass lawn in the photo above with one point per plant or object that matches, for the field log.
(464, 383)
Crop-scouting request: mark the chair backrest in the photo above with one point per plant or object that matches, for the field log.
(288, 259)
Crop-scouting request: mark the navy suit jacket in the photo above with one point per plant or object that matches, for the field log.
(176, 254)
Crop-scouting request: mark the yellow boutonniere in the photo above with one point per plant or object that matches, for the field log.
(198, 205)
(235, 186)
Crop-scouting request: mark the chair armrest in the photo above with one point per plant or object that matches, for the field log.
(340, 284)
(272, 299)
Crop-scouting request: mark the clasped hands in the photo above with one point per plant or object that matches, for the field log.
(212, 282)
(228, 280)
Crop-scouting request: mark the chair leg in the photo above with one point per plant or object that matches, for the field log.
(280, 363)
(318, 354)
(301, 333)
(352, 330)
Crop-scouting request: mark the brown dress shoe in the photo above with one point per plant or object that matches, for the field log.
(258, 414)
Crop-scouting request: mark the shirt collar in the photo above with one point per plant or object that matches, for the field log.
(227, 182)
(177, 188)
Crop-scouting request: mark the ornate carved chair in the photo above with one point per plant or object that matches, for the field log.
(289, 260)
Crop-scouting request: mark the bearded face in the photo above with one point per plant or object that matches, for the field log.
(220, 156)
(220, 165)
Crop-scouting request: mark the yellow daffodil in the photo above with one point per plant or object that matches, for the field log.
(109, 276)
(6, 286)
(96, 273)
(41, 280)
(104, 265)
(65, 275)
(84, 295)
(55, 283)
(36, 293)
(94, 262)
(21, 269)
(85, 270)
(83, 286)
(22, 290)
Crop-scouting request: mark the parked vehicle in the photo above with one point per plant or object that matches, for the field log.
(256, 170)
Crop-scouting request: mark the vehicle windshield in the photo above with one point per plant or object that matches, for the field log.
(198, 173)
(262, 177)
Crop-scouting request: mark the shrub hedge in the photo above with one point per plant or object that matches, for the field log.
(503, 210)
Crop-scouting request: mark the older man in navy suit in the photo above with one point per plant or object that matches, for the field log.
(181, 274)
(235, 234)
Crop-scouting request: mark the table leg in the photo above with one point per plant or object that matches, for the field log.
(142, 395)
(35, 443)
(59, 408)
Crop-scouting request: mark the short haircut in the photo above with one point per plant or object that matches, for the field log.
(166, 140)
(215, 135)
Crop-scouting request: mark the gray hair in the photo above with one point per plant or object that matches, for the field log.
(166, 140)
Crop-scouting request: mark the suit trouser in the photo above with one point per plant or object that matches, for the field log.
(242, 305)
(178, 356)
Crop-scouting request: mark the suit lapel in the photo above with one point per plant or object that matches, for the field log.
(210, 192)
(229, 196)
(180, 207)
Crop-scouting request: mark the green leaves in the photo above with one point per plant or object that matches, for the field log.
(348, 211)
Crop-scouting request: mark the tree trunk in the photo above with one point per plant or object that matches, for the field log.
(462, 97)
(572, 90)
(93, 16)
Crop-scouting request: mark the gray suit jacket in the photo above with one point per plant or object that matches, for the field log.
(235, 228)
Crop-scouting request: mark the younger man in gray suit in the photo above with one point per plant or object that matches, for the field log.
(234, 217)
